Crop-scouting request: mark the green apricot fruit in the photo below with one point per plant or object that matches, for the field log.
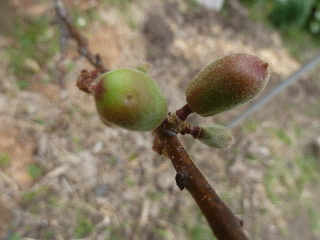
(130, 99)
(216, 136)
(227, 83)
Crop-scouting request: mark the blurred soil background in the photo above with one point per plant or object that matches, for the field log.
(64, 175)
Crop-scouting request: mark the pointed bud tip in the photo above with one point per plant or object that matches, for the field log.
(265, 65)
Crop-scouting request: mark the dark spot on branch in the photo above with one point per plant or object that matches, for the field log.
(182, 180)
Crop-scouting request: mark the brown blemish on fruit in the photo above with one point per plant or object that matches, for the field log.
(98, 90)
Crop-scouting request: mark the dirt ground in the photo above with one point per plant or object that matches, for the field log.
(64, 175)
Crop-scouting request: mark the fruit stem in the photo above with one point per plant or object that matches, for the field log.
(184, 112)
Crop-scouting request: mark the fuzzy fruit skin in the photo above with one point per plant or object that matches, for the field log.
(227, 83)
(130, 99)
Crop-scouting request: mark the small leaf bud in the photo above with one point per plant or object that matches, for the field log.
(215, 136)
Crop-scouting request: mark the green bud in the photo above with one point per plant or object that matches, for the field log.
(227, 83)
(215, 136)
(130, 99)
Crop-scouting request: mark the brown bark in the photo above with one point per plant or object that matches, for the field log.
(224, 224)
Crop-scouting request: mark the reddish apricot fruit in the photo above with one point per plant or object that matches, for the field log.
(227, 83)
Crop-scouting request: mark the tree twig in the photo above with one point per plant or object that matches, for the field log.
(224, 224)
(64, 18)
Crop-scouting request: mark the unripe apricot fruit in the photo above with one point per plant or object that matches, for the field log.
(227, 83)
(130, 99)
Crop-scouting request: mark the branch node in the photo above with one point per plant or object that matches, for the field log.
(182, 180)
